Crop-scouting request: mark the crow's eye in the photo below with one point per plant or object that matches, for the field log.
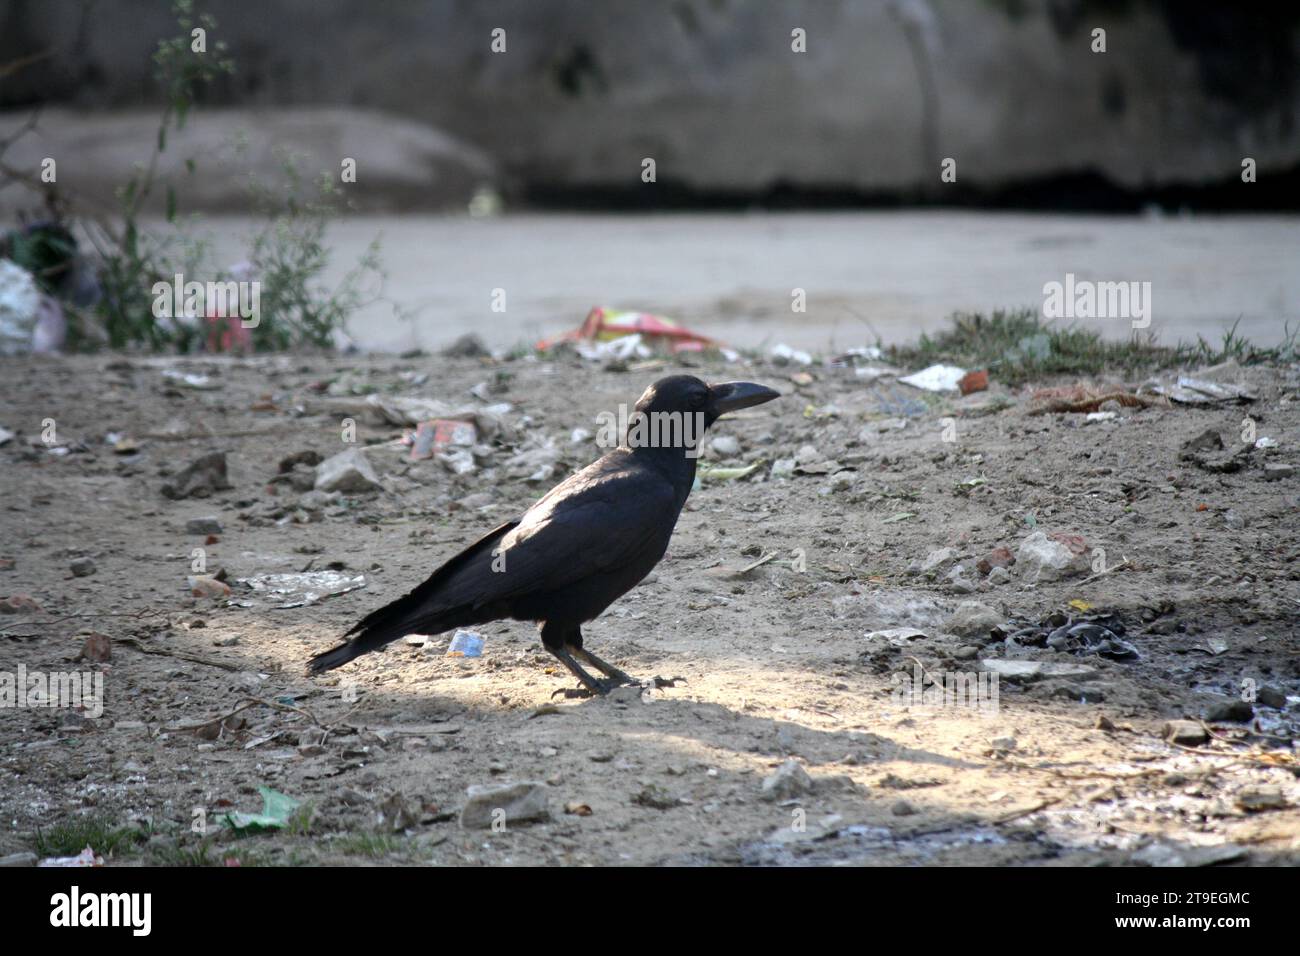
(698, 399)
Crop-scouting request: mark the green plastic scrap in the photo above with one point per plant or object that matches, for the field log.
(727, 474)
(277, 808)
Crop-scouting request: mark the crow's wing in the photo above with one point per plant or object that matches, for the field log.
(600, 520)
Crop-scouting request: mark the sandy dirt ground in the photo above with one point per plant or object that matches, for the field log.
(791, 740)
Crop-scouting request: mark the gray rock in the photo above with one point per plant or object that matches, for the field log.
(656, 797)
(1230, 710)
(725, 446)
(19, 859)
(1041, 558)
(199, 478)
(1189, 733)
(1255, 799)
(82, 567)
(936, 560)
(973, 619)
(348, 471)
(1271, 697)
(999, 576)
(1035, 670)
(204, 526)
(1276, 470)
(788, 781)
(522, 802)
(958, 582)
(317, 500)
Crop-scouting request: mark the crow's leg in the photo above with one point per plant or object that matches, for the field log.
(559, 639)
(609, 670)
(617, 678)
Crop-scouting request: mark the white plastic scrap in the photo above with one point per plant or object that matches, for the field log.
(623, 347)
(19, 301)
(936, 378)
(783, 353)
(309, 587)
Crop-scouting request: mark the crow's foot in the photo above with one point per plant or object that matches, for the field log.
(599, 687)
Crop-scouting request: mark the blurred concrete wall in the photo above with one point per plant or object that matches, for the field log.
(714, 93)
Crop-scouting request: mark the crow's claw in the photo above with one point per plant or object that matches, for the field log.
(657, 681)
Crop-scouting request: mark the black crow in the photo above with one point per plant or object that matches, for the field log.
(586, 543)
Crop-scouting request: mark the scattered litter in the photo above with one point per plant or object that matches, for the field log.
(1079, 398)
(901, 516)
(783, 354)
(976, 381)
(458, 462)
(1101, 634)
(19, 303)
(437, 435)
(504, 804)
(410, 412)
(466, 644)
(707, 473)
(873, 372)
(936, 378)
(86, 857)
(655, 332)
(277, 809)
(1086, 638)
(305, 589)
(615, 350)
(872, 353)
(1216, 646)
(1100, 416)
(897, 636)
(1193, 391)
(192, 380)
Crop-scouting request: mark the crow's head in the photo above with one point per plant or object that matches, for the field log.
(687, 400)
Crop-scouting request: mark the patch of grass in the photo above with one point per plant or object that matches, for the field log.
(206, 852)
(373, 845)
(1018, 346)
(99, 833)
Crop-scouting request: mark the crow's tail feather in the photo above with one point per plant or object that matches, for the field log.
(383, 627)
(426, 610)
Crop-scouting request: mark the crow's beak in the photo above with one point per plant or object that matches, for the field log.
(731, 396)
